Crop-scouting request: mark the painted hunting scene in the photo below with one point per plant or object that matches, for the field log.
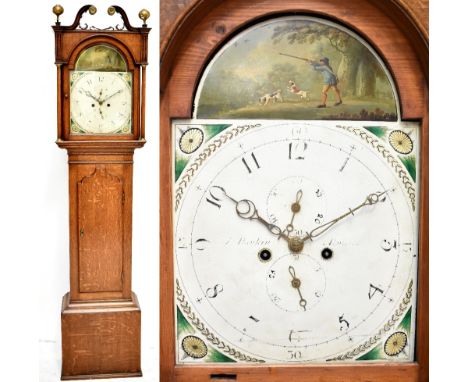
(296, 68)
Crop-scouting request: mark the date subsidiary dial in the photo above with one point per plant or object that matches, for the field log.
(296, 283)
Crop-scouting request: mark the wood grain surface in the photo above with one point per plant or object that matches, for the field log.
(100, 339)
(100, 315)
(172, 11)
(191, 34)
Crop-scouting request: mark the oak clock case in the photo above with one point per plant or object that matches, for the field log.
(103, 93)
(295, 241)
(101, 76)
(219, 90)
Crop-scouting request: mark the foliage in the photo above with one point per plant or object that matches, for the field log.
(281, 74)
(183, 326)
(297, 109)
(377, 130)
(216, 356)
(406, 322)
(252, 67)
(305, 32)
(373, 354)
(214, 129)
(410, 164)
(180, 164)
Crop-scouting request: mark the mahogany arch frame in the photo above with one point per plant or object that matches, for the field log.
(198, 33)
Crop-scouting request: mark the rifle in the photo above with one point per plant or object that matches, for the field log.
(299, 58)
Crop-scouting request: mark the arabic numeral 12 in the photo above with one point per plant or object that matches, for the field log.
(296, 151)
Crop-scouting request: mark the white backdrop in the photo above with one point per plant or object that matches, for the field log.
(35, 183)
(34, 208)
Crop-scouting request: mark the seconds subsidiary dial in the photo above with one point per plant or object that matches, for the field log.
(294, 243)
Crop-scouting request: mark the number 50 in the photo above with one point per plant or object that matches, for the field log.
(295, 354)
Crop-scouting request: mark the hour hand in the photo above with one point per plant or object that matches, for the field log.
(246, 209)
(88, 94)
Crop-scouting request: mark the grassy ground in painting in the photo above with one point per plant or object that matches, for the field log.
(350, 109)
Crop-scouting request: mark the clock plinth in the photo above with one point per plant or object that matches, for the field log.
(101, 339)
(101, 107)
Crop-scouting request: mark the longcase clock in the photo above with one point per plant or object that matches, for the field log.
(101, 108)
(294, 183)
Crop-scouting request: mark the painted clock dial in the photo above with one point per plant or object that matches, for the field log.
(101, 92)
(101, 102)
(295, 242)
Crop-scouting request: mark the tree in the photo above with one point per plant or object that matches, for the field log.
(356, 63)
(279, 76)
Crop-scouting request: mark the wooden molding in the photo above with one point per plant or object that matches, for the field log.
(195, 34)
(101, 339)
(102, 146)
(173, 14)
(100, 315)
(200, 36)
(331, 373)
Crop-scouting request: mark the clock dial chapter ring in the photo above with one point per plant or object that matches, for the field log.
(219, 208)
(100, 102)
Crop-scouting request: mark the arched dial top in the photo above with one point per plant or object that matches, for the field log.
(101, 57)
(101, 92)
(297, 67)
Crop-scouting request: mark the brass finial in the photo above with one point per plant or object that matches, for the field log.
(111, 11)
(92, 10)
(57, 10)
(144, 15)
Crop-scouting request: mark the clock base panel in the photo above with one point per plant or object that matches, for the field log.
(373, 372)
(101, 376)
(101, 339)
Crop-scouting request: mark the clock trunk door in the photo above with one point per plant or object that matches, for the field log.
(100, 200)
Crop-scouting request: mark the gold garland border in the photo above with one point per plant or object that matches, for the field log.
(395, 163)
(184, 305)
(217, 143)
(205, 154)
(374, 339)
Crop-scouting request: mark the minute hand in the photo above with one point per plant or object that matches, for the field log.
(370, 200)
(112, 95)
